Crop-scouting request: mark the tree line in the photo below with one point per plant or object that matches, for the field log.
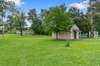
(54, 19)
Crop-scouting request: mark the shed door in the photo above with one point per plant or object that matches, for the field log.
(75, 35)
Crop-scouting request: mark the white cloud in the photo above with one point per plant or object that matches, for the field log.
(81, 5)
(17, 2)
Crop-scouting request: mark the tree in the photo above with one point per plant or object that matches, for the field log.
(2, 13)
(36, 21)
(5, 6)
(96, 18)
(91, 13)
(17, 21)
(20, 22)
(56, 20)
(83, 23)
(11, 22)
(73, 12)
(97, 22)
(81, 20)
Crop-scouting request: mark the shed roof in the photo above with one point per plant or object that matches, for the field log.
(75, 28)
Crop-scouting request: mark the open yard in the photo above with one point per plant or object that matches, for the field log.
(43, 51)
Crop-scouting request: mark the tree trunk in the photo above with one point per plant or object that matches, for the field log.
(2, 25)
(88, 35)
(21, 30)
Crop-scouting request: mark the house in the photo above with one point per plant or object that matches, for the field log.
(73, 34)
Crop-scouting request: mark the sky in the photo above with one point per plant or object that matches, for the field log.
(25, 5)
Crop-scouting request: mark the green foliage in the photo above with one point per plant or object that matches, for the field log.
(36, 22)
(80, 19)
(5, 7)
(20, 22)
(67, 44)
(97, 22)
(17, 22)
(96, 17)
(98, 7)
(83, 22)
(73, 12)
(56, 19)
(11, 22)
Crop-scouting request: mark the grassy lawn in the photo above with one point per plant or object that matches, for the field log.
(43, 51)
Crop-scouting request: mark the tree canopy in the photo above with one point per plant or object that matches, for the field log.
(56, 19)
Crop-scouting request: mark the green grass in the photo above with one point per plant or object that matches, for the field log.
(43, 51)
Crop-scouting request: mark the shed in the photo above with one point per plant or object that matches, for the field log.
(72, 34)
